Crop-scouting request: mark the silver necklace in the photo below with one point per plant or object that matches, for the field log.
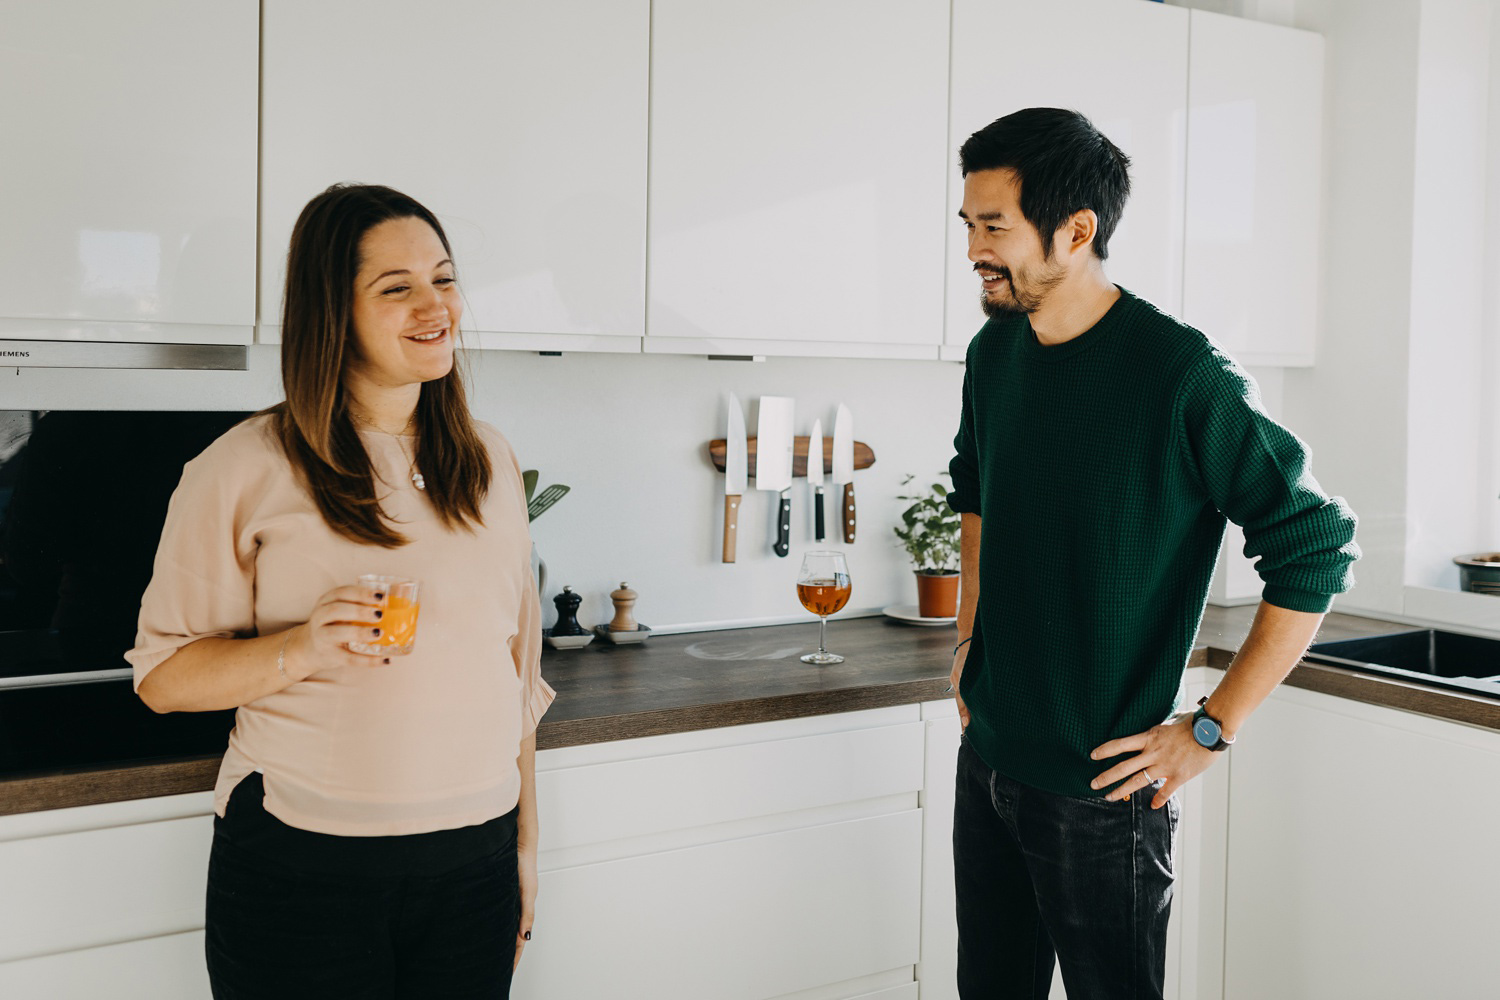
(411, 465)
(411, 459)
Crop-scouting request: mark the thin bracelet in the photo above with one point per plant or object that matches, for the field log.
(281, 654)
(963, 644)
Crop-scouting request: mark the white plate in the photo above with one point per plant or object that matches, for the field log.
(908, 613)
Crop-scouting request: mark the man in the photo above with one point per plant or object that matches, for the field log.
(1101, 447)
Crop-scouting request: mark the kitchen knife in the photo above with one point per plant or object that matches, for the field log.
(815, 476)
(773, 462)
(843, 467)
(736, 474)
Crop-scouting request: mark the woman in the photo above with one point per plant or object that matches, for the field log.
(376, 830)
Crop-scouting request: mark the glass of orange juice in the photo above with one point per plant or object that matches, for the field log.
(398, 626)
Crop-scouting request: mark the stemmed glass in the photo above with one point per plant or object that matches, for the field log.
(823, 587)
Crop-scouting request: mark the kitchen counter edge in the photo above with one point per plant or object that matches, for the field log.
(1218, 638)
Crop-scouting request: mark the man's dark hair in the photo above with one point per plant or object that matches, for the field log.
(1064, 165)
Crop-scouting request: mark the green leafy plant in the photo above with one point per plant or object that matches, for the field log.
(543, 501)
(930, 530)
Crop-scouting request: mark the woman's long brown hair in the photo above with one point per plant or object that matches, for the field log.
(314, 424)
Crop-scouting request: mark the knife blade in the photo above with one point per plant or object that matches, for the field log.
(736, 473)
(815, 477)
(843, 467)
(773, 462)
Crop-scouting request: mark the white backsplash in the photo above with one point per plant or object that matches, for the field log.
(629, 434)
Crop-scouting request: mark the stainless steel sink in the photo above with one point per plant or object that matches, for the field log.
(1432, 657)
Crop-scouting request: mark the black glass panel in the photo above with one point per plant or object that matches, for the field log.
(83, 496)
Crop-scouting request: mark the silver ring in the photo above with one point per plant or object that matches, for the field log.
(1146, 776)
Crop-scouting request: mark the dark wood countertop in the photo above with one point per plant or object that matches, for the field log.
(705, 680)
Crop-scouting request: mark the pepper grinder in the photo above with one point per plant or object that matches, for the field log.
(567, 614)
(624, 600)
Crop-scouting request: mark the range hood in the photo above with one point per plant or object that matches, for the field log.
(112, 354)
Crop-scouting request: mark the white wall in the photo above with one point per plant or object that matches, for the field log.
(1489, 425)
(629, 433)
(1352, 407)
(1446, 381)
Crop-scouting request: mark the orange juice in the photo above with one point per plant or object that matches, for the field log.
(398, 626)
(398, 620)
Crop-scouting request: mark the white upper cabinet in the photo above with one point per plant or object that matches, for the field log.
(798, 164)
(1255, 128)
(128, 185)
(521, 124)
(1124, 65)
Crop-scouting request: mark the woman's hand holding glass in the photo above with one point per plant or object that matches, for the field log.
(342, 616)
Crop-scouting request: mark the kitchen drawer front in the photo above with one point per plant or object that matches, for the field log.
(159, 968)
(738, 920)
(98, 887)
(669, 791)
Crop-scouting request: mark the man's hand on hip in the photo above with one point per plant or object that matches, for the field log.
(1166, 754)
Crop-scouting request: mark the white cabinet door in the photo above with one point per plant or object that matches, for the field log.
(938, 969)
(128, 189)
(1124, 65)
(1362, 854)
(521, 124)
(740, 919)
(159, 968)
(1255, 128)
(798, 158)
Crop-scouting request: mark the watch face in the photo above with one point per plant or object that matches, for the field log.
(1206, 732)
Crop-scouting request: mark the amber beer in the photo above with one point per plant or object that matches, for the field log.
(825, 596)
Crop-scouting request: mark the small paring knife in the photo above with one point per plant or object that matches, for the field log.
(815, 478)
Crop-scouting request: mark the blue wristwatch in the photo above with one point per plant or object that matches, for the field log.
(1208, 731)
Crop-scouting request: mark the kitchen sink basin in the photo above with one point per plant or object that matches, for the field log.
(1433, 657)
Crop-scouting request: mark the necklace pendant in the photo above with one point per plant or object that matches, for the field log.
(418, 481)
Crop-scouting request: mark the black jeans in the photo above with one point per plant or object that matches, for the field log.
(298, 914)
(1041, 876)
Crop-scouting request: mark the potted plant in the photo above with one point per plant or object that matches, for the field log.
(929, 531)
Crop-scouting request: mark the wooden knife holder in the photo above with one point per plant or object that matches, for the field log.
(864, 456)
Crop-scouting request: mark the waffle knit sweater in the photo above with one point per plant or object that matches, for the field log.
(1104, 469)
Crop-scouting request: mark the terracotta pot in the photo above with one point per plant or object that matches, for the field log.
(937, 595)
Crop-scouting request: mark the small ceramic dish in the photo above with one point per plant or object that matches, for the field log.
(908, 613)
(567, 641)
(620, 638)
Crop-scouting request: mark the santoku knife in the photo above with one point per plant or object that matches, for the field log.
(773, 462)
(843, 467)
(736, 473)
(815, 477)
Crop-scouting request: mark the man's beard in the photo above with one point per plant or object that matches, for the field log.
(1025, 296)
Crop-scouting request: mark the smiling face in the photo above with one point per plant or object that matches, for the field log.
(406, 306)
(1016, 273)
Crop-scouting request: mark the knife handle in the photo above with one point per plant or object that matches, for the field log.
(819, 530)
(783, 543)
(848, 513)
(731, 525)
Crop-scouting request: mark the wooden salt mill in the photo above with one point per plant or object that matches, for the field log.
(624, 600)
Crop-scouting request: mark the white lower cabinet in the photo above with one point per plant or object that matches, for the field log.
(1363, 857)
(1340, 850)
(776, 861)
(763, 861)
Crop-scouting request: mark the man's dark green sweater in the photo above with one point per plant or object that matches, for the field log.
(1103, 470)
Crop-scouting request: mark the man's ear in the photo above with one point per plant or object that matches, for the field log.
(1078, 232)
